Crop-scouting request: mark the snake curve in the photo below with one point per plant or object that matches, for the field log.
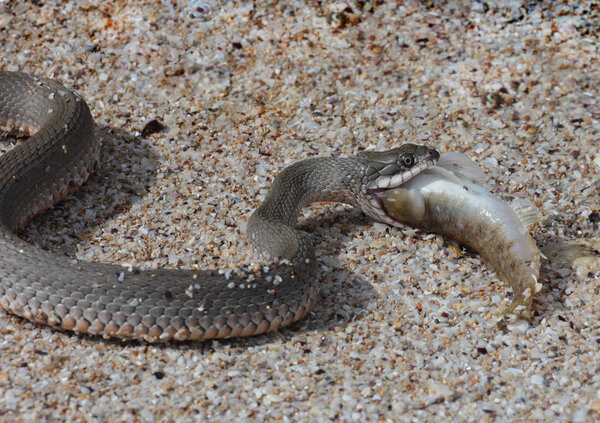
(166, 304)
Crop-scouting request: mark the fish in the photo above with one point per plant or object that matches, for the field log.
(451, 199)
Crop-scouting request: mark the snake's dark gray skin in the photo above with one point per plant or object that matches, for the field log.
(163, 305)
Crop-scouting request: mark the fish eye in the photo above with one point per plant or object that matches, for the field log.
(407, 159)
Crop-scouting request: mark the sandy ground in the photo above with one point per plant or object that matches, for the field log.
(406, 325)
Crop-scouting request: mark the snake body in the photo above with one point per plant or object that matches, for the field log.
(167, 304)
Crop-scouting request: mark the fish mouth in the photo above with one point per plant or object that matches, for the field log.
(376, 208)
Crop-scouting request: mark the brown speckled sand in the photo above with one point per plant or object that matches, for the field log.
(406, 326)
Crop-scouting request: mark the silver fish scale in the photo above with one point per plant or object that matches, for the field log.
(160, 305)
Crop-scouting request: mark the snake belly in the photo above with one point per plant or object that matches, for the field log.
(166, 304)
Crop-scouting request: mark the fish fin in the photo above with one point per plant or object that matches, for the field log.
(525, 299)
(445, 174)
(526, 211)
(454, 246)
(462, 166)
(404, 205)
(522, 300)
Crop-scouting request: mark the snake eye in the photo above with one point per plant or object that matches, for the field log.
(407, 159)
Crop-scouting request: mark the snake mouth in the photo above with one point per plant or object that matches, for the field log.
(376, 206)
(398, 179)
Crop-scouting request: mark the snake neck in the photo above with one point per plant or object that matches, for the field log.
(271, 226)
(309, 181)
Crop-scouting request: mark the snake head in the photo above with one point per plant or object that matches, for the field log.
(388, 170)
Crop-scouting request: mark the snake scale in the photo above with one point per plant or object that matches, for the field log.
(167, 304)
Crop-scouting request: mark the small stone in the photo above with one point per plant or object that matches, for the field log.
(152, 127)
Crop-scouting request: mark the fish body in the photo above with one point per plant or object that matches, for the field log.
(450, 199)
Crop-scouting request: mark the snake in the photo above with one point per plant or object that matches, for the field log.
(163, 305)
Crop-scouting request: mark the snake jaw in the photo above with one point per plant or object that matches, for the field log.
(374, 206)
(394, 181)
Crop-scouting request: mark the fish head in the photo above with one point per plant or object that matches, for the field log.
(403, 206)
(387, 171)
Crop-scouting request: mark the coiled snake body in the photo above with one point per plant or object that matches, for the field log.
(163, 305)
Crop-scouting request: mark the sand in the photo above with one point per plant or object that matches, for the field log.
(406, 327)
